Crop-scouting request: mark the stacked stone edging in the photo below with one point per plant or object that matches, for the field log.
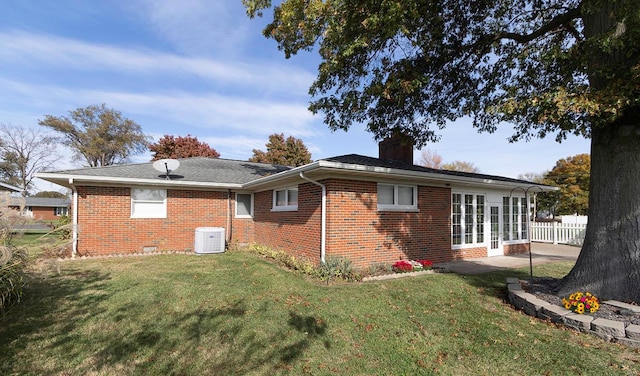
(608, 330)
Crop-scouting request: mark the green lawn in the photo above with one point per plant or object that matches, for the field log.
(236, 313)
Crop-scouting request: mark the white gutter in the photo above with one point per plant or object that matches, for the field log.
(74, 220)
(85, 179)
(482, 180)
(323, 216)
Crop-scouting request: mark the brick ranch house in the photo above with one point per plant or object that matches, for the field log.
(370, 210)
(41, 208)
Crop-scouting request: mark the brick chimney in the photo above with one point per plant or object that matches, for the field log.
(398, 147)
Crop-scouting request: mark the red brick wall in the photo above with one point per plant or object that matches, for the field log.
(513, 249)
(466, 253)
(357, 230)
(44, 213)
(106, 226)
(296, 232)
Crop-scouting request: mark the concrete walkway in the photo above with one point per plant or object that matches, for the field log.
(541, 253)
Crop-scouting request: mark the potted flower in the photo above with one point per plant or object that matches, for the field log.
(580, 303)
(405, 266)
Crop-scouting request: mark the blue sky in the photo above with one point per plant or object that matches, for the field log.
(200, 67)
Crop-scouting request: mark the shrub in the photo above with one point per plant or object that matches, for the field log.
(63, 228)
(284, 259)
(334, 267)
(379, 268)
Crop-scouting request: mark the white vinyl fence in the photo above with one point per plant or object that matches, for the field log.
(558, 233)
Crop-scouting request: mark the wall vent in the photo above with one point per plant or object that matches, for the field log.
(209, 240)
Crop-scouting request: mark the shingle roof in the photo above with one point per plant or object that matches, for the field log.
(41, 201)
(377, 162)
(216, 172)
(198, 169)
(48, 202)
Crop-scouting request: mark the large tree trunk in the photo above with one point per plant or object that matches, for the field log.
(609, 262)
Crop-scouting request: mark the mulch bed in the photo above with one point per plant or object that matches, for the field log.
(545, 288)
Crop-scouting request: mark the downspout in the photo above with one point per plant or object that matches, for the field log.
(323, 216)
(229, 218)
(74, 220)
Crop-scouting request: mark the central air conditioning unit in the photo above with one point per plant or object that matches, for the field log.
(209, 240)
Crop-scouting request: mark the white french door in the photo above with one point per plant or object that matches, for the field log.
(495, 236)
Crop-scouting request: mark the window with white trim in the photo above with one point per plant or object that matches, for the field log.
(148, 203)
(59, 211)
(514, 218)
(285, 199)
(397, 197)
(467, 218)
(244, 205)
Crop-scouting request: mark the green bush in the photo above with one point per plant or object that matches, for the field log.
(13, 262)
(284, 259)
(63, 228)
(333, 268)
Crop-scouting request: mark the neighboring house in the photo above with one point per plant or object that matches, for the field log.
(370, 210)
(46, 209)
(41, 208)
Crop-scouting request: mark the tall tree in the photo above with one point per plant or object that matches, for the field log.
(431, 159)
(181, 147)
(25, 151)
(99, 135)
(571, 175)
(461, 166)
(50, 194)
(289, 152)
(547, 66)
(533, 177)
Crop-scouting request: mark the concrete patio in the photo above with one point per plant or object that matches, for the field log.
(541, 253)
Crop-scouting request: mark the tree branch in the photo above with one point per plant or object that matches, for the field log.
(560, 21)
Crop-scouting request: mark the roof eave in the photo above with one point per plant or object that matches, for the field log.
(359, 169)
(68, 180)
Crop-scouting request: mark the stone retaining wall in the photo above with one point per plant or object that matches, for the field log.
(608, 330)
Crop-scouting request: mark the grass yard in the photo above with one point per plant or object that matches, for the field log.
(236, 313)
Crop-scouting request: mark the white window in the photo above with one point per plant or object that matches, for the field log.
(514, 218)
(60, 211)
(244, 205)
(397, 197)
(467, 218)
(148, 203)
(285, 199)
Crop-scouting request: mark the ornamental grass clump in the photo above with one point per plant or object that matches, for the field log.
(580, 303)
(13, 260)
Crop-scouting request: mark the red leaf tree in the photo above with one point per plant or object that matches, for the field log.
(181, 147)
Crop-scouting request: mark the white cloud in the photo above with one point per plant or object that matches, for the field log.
(38, 51)
(198, 27)
(209, 112)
